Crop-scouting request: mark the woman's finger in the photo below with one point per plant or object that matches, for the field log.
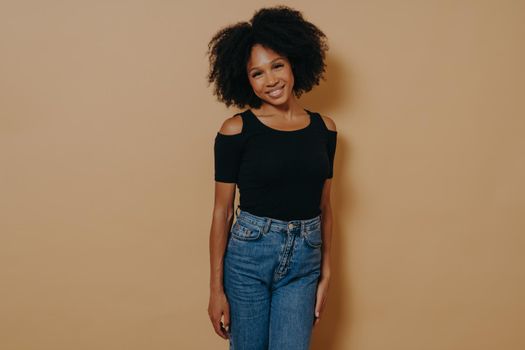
(226, 321)
(219, 329)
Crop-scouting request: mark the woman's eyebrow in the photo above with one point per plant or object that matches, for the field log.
(275, 59)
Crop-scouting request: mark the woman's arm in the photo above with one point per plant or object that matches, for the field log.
(326, 228)
(222, 220)
(327, 217)
(223, 211)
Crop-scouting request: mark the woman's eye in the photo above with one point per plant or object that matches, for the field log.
(276, 66)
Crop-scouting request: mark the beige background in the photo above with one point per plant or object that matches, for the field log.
(106, 181)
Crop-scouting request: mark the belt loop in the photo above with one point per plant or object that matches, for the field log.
(267, 225)
(302, 226)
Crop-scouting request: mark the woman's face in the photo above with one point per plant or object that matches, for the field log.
(270, 75)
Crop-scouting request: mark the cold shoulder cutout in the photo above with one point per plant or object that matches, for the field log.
(331, 142)
(228, 148)
(232, 126)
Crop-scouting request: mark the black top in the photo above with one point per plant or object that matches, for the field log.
(280, 174)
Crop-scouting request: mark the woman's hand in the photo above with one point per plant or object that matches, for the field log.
(217, 307)
(322, 294)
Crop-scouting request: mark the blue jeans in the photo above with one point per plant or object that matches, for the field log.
(271, 270)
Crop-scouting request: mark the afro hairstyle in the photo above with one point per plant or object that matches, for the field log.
(280, 28)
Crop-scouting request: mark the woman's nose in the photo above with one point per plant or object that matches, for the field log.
(271, 81)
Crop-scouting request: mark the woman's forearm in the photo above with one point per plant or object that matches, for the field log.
(326, 228)
(221, 223)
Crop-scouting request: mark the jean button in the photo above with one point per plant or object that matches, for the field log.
(290, 226)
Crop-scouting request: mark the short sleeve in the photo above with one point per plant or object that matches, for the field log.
(330, 147)
(227, 156)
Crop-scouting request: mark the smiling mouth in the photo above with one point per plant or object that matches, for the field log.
(276, 92)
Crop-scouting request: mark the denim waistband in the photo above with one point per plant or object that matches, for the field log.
(267, 222)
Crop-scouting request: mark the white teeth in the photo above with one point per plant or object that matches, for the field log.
(275, 92)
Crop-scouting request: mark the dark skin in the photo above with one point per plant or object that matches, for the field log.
(267, 71)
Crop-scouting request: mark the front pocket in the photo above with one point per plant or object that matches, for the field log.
(313, 237)
(244, 233)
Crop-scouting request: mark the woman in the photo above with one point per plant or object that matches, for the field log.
(270, 270)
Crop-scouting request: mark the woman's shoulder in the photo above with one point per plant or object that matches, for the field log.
(232, 125)
(328, 122)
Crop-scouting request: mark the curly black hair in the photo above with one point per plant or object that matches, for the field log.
(280, 28)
